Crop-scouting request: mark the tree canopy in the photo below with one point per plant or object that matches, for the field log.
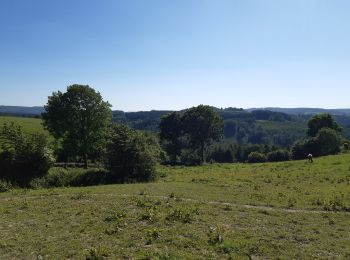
(317, 122)
(203, 125)
(80, 118)
(171, 132)
(131, 155)
(23, 156)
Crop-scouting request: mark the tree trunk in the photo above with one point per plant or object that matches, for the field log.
(85, 161)
(202, 151)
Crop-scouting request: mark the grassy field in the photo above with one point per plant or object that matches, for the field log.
(29, 125)
(291, 210)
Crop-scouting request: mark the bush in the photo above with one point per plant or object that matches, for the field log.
(61, 177)
(5, 186)
(189, 157)
(278, 156)
(131, 156)
(326, 142)
(23, 157)
(222, 154)
(256, 157)
(329, 141)
(298, 150)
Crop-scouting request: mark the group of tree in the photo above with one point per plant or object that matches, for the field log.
(241, 126)
(80, 122)
(23, 156)
(323, 131)
(186, 135)
(324, 138)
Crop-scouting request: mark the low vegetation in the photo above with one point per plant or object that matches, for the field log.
(288, 209)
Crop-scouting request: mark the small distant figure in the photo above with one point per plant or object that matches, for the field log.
(309, 158)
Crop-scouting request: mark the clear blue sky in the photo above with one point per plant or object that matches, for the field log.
(173, 54)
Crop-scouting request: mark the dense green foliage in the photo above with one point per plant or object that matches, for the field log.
(278, 156)
(171, 134)
(317, 122)
(23, 156)
(188, 134)
(72, 177)
(222, 153)
(325, 138)
(131, 155)
(256, 157)
(80, 118)
(202, 125)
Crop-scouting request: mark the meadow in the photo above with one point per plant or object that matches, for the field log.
(289, 210)
(29, 125)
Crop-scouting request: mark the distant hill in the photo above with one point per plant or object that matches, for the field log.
(21, 111)
(37, 110)
(304, 111)
(278, 126)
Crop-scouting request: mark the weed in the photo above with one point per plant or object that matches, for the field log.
(116, 216)
(291, 202)
(183, 214)
(79, 196)
(215, 235)
(239, 247)
(149, 214)
(98, 253)
(335, 204)
(227, 207)
(143, 192)
(152, 235)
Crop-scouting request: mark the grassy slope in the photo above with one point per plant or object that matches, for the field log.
(158, 220)
(29, 125)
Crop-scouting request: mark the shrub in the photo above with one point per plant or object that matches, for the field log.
(256, 157)
(190, 157)
(183, 214)
(329, 141)
(215, 235)
(278, 156)
(23, 157)
(131, 156)
(222, 154)
(298, 150)
(5, 186)
(76, 177)
(326, 142)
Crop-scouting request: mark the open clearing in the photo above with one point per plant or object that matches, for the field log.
(29, 125)
(258, 211)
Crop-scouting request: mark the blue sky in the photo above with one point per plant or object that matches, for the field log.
(173, 54)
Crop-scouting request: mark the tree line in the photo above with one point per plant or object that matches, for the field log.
(81, 123)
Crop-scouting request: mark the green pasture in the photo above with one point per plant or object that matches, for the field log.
(29, 125)
(290, 210)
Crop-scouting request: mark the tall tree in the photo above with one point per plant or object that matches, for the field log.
(203, 125)
(329, 141)
(131, 155)
(170, 133)
(80, 118)
(317, 122)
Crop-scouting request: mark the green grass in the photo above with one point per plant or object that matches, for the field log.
(29, 125)
(301, 212)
